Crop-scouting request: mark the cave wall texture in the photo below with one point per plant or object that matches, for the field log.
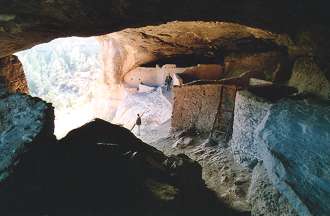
(193, 42)
(290, 139)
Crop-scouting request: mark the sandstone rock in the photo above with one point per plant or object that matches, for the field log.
(197, 42)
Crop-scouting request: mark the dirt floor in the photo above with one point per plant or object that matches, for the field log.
(227, 179)
(222, 175)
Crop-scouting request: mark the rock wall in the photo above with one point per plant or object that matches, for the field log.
(12, 74)
(307, 77)
(271, 66)
(197, 107)
(25, 124)
(249, 112)
(291, 139)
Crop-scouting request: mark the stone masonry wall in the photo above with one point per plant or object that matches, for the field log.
(196, 106)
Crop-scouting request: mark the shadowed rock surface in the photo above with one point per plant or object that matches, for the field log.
(293, 142)
(26, 22)
(290, 137)
(25, 123)
(102, 168)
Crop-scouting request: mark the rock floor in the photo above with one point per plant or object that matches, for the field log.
(226, 178)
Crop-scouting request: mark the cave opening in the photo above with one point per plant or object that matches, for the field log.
(119, 75)
(231, 108)
(69, 73)
(96, 77)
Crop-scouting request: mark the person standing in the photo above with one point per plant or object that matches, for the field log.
(138, 124)
(168, 82)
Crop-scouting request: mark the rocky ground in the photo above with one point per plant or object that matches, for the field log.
(221, 174)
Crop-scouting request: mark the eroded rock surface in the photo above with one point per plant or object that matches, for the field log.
(291, 138)
(201, 41)
(293, 142)
(24, 23)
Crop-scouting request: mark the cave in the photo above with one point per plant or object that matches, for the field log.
(243, 129)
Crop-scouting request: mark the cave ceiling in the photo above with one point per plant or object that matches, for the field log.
(25, 23)
(192, 41)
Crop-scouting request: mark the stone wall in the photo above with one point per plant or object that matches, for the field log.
(12, 74)
(197, 106)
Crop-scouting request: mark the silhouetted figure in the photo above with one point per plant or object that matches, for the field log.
(138, 124)
(168, 82)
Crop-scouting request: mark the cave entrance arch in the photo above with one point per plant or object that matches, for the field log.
(215, 53)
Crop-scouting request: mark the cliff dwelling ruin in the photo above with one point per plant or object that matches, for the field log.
(233, 99)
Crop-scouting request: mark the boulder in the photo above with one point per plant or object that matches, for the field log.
(101, 168)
